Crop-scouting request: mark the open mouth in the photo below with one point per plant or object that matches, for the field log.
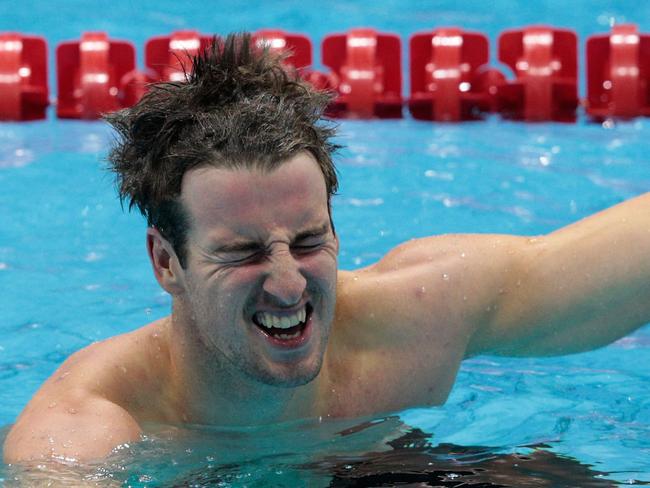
(283, 327)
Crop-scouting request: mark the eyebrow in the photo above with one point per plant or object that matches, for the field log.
(250, 246)
(314, 232)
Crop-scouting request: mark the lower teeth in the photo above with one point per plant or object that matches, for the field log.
(288, 336)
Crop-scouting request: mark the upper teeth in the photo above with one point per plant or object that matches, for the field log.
(270, 320)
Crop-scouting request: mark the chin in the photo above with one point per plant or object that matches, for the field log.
(295, 376)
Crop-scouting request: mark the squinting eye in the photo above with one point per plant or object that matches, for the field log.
(240, 258)
(306, 247)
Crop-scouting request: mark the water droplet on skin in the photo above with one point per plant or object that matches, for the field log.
(123, 369)
(462, 254)
(423, 289)
(72, 410)
(52, 405)
(445, 277)
(464, 298)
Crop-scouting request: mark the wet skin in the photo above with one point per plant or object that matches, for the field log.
(259, 243)
(375, 340)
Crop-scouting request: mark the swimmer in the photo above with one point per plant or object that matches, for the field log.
(233, 171)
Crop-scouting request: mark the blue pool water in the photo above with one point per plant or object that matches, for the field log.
(73, 267)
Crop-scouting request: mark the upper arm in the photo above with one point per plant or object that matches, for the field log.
(428, 294)
(68, 429)
(575, 289)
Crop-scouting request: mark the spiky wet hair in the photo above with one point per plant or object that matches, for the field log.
(239, 107)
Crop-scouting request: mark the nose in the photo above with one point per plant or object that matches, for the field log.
(284, 282)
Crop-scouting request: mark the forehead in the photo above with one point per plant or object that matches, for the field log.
(251, 201)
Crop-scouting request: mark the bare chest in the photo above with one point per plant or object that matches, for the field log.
(386, 380)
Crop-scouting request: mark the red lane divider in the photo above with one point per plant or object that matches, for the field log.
(298, 51)
(297, 46)
(23, 77)
(92, 74)
(618, 72)
(366, 73)
(545, 62)
(450, 78)
(169, 57)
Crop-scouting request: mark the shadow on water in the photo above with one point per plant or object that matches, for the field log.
(376, 453)
(412, 461)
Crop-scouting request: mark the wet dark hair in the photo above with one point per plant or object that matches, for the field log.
(239, 107)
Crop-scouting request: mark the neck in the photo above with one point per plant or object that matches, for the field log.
(210, 390)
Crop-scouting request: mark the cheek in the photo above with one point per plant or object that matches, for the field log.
(232, 278)
(241, 277)
(321, 266)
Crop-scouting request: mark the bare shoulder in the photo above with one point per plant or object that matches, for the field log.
(415, 310)
(455, 274)
(93, 402)
(448, 284)
(77, 427)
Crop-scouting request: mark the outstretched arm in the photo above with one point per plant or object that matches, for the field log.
(576, 289)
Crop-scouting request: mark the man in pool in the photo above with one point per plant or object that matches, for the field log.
(233, 171)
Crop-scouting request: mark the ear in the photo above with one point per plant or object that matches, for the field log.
(165, 264)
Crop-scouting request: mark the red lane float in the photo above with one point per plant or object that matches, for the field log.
(366, 73)
(450, 76)
(618, 73)
(169, 57)
(298, 51)
(92, 74)
(297, 47)
(23, 77)
(545, 64)
(449, 81)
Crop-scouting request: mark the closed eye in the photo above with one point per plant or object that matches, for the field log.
(241, 259)
(245, 254)
(308, 245)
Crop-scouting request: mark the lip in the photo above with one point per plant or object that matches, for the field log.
(284, 312)
(290, 344)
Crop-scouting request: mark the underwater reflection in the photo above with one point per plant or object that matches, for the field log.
(411, 460)
(374, 453)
